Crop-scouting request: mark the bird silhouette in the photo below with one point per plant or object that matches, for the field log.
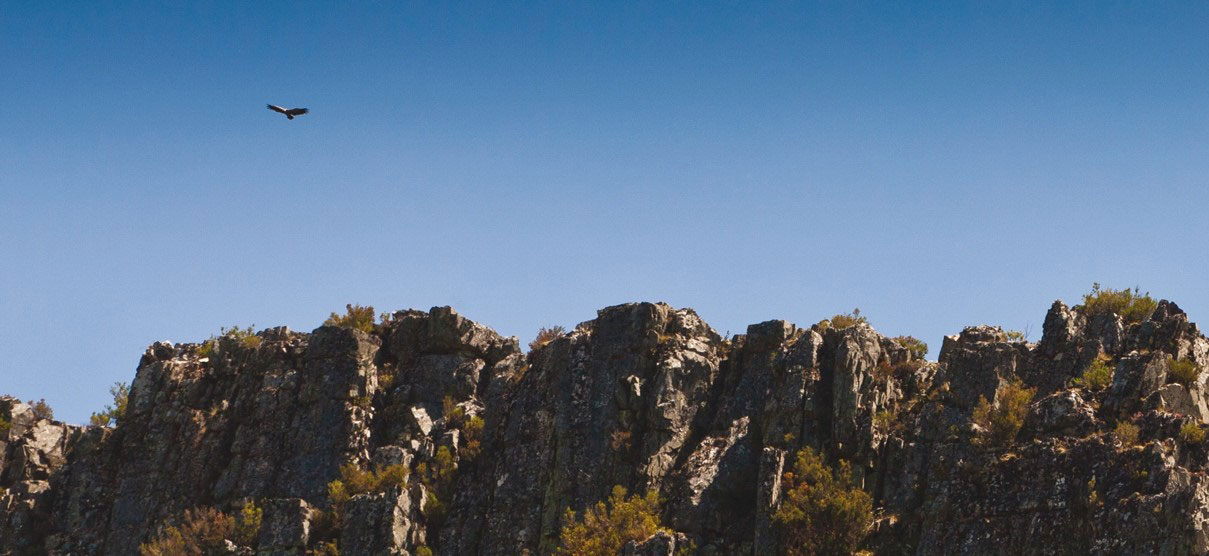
(289, 113)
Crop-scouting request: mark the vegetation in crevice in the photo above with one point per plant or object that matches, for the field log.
(823, 511)
(606, 527)
(1001, 421)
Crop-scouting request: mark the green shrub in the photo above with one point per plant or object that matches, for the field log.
(915, 346)
(247, 336)
(355, 316)
(1131, 305)
(202, 531)
(1015, 335)
(423, 550)
(5, 426)
(545, 336)
(354, 480)
(247, 531)
(472, 434)
(1002, 420)
(1096, 377)
(1192, 433)
(112, 414)
(1182, 371)
(42, 410)
(823, 512)
(605, 528)
(437, 478)
(843, 320)
(1127, 433)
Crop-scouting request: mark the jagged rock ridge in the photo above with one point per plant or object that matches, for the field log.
(644, 396)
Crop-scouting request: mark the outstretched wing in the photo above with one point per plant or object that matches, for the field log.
(296, 111)
(278, 109)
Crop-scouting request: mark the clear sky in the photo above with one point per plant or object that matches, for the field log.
(937, 165)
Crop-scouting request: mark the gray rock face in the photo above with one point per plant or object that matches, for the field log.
(499, 443)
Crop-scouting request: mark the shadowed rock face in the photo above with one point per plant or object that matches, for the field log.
(643, 396)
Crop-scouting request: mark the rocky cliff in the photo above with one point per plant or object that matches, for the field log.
(644, 396)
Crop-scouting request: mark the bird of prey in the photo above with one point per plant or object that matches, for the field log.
(289, 113)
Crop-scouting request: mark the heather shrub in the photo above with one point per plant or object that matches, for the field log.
(915, 346)
(1131, 305)
(112, 414)
(1182, 371)
(605, 528)
(1127, 433)
(1191, 433)
(823, 511)
(355, 316)
(843, 320)
(201, 532)
(545, 336)
(1095, 377)
(1001, 421)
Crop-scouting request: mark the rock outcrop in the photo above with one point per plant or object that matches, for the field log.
(498, 442)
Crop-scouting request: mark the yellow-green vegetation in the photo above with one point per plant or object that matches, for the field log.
(437, 478)
(471, 428)
(1095, 377)
(1192, 433)
(247, 530)
(473, 442)
(1130, 304)
(1126, 433)
(327, 549)
(1182, 371)
(5, 426)
(1015, 335)
(201, 531)
(354, 480)
(545, 336)
(42, 410)
(244, 335)
(883, 420)
(823, 511)
(423, 550)
(355, 316)
(915, 346)
(843, 320)
(247, 336)
(606, 527)
(112, 414)
(1002, 420)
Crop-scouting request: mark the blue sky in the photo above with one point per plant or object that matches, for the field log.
(937, 165)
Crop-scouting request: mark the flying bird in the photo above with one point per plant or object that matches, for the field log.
(289, 113)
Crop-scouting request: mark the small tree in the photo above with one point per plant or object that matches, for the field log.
(823, 512)
(113, 414)
(915, 346)
(606, 527)
(42, 410)
(1002, 420)
(545, 336)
